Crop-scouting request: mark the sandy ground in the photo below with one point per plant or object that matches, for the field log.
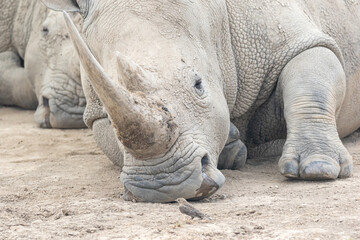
(56, 184)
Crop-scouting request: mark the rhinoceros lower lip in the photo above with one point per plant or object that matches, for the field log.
(158, 191)
(154, 191)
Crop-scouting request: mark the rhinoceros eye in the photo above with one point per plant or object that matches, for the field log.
(198, 85)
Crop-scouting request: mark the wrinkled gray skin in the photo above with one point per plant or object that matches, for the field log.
(39, 67)
(172, 74)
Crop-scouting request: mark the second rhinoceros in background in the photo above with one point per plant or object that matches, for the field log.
(173, 74)
(39, 67)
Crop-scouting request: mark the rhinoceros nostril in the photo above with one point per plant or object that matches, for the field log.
(204, 162)
(45, 102)
(46, 114)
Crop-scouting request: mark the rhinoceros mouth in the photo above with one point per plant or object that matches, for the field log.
(60, 113)
(183, 174)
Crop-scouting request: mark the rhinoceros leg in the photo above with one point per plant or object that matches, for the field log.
(15, 89)
(105, 138)
(313, 86)
(234, 154)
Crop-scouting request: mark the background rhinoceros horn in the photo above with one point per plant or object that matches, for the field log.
(143, 125)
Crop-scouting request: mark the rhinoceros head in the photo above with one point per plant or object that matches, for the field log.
(157, 68)
(53, 67)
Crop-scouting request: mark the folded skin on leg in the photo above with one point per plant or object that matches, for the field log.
(313, 86)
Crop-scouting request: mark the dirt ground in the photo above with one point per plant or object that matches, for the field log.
(56, 184)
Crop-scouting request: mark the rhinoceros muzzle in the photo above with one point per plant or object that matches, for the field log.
(49, 115)
(190, 177)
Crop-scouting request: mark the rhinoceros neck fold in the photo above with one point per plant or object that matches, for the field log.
(143, 125)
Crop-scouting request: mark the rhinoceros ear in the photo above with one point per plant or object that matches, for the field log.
(62, 5)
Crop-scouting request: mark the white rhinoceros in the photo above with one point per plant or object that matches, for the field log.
(39, 67)
(173, 74)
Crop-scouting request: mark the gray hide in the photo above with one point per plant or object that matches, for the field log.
(39, 67)
(172, 75)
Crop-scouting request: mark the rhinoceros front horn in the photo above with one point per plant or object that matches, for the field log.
(144, 126)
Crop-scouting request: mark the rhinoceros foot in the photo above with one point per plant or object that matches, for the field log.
(234, 154)
(315, 161)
